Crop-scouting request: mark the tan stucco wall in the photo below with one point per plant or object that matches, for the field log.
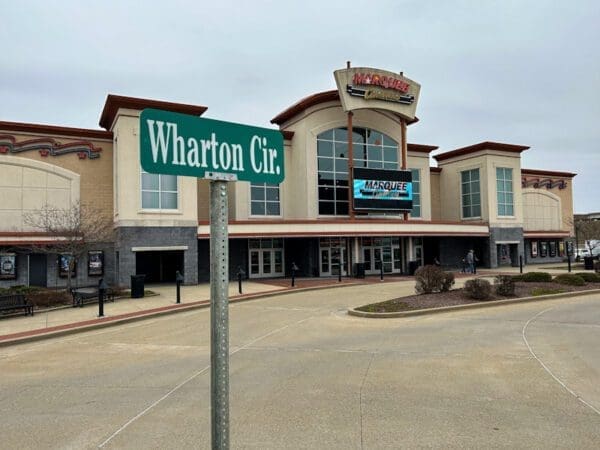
(549, 209)
(30, 180)
(486, 162)
(299, 194)
(436, 207)
(128, 201)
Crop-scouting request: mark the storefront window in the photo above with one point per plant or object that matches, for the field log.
(505, 191)
(264, 199)
(370, 148)
(470, 193)
(159, 191)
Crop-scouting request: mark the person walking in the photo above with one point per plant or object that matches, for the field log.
(470, 259)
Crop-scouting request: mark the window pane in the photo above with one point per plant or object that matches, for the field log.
(509, 210)
(326, 208)
(168, 183)
(325, 177)
(273, 194)
(258, 208)
(475, 175)
(476, 211)
(501, 210)
(341, 194)
(390, 165)
(168, 200)
(375, 165)
(390, 154)
(326, 193)
(341, 165)
(257, 193)
(150, 200)
(149, 181)
(466, 188)
(466, 211)
(341, 150)
(464, 176)
(272, 208)
(325, 164)
(416, 211)
(389, 141)
(374, 153)
(374, 137)
(416, 174)
(341, 135)
(342, 208)
(475, 187)
(324, 148)
(326, 135)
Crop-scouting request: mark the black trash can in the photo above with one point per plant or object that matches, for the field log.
(412, 267)
(137, 286)
(359, 270)
(588, 263)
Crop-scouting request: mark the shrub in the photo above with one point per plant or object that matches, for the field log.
(448, 282)
(429, 279)
(478, 289)
(536, 277)
(505, 285)
(570, 278)
(46, 298)
(590, 277)
(545, 291)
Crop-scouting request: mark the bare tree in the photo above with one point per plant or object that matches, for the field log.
(75, 231)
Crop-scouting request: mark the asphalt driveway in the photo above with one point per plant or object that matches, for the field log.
(304, 374)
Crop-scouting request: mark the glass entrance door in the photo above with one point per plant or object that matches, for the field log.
(381, 250)
(265, 258)
(333, 254)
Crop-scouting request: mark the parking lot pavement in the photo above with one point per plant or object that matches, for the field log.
(66, 319)
(304, 374)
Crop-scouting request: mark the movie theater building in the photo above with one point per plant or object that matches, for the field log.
(477, 197)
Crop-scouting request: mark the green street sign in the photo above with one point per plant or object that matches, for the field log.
(179, 144)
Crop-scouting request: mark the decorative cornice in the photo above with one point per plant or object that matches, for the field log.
(421, 148)
(20, 127)
(487, 145)
(49, 146)
(547, 173)
(312, 100)
(115, 102)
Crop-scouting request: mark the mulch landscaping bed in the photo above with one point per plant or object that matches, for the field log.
(458, 297)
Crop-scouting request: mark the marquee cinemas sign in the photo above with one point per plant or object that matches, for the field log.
(363, 87)
(378, 189)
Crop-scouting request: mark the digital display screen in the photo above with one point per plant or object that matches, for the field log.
(384, 190)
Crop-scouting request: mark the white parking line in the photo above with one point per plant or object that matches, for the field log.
(200, 372)
(558, 380)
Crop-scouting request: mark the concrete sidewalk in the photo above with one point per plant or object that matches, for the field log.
(47, 323)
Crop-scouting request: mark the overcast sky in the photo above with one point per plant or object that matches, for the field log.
(521, 72)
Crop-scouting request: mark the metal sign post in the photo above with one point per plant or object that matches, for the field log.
(219, 313)
(182, 145)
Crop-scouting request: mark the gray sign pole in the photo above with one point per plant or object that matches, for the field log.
(219, 315)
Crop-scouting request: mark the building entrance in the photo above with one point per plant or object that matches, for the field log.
(265, 258)
(377, 251)
(159, 266)
(333, 255)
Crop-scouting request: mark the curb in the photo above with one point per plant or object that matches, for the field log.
(98, 323)
(444, 309)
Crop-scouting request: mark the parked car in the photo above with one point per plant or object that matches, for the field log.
(583, 252)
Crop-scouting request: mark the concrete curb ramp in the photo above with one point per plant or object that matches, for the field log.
(109, 321)
(443, 309)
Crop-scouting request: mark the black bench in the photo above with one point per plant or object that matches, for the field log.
(13, 302)
(89, 294)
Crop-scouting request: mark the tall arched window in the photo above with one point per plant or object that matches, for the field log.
(370, 149)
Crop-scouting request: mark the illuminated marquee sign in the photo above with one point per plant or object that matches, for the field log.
(385, 88)
(385, 190)
(369, 88)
